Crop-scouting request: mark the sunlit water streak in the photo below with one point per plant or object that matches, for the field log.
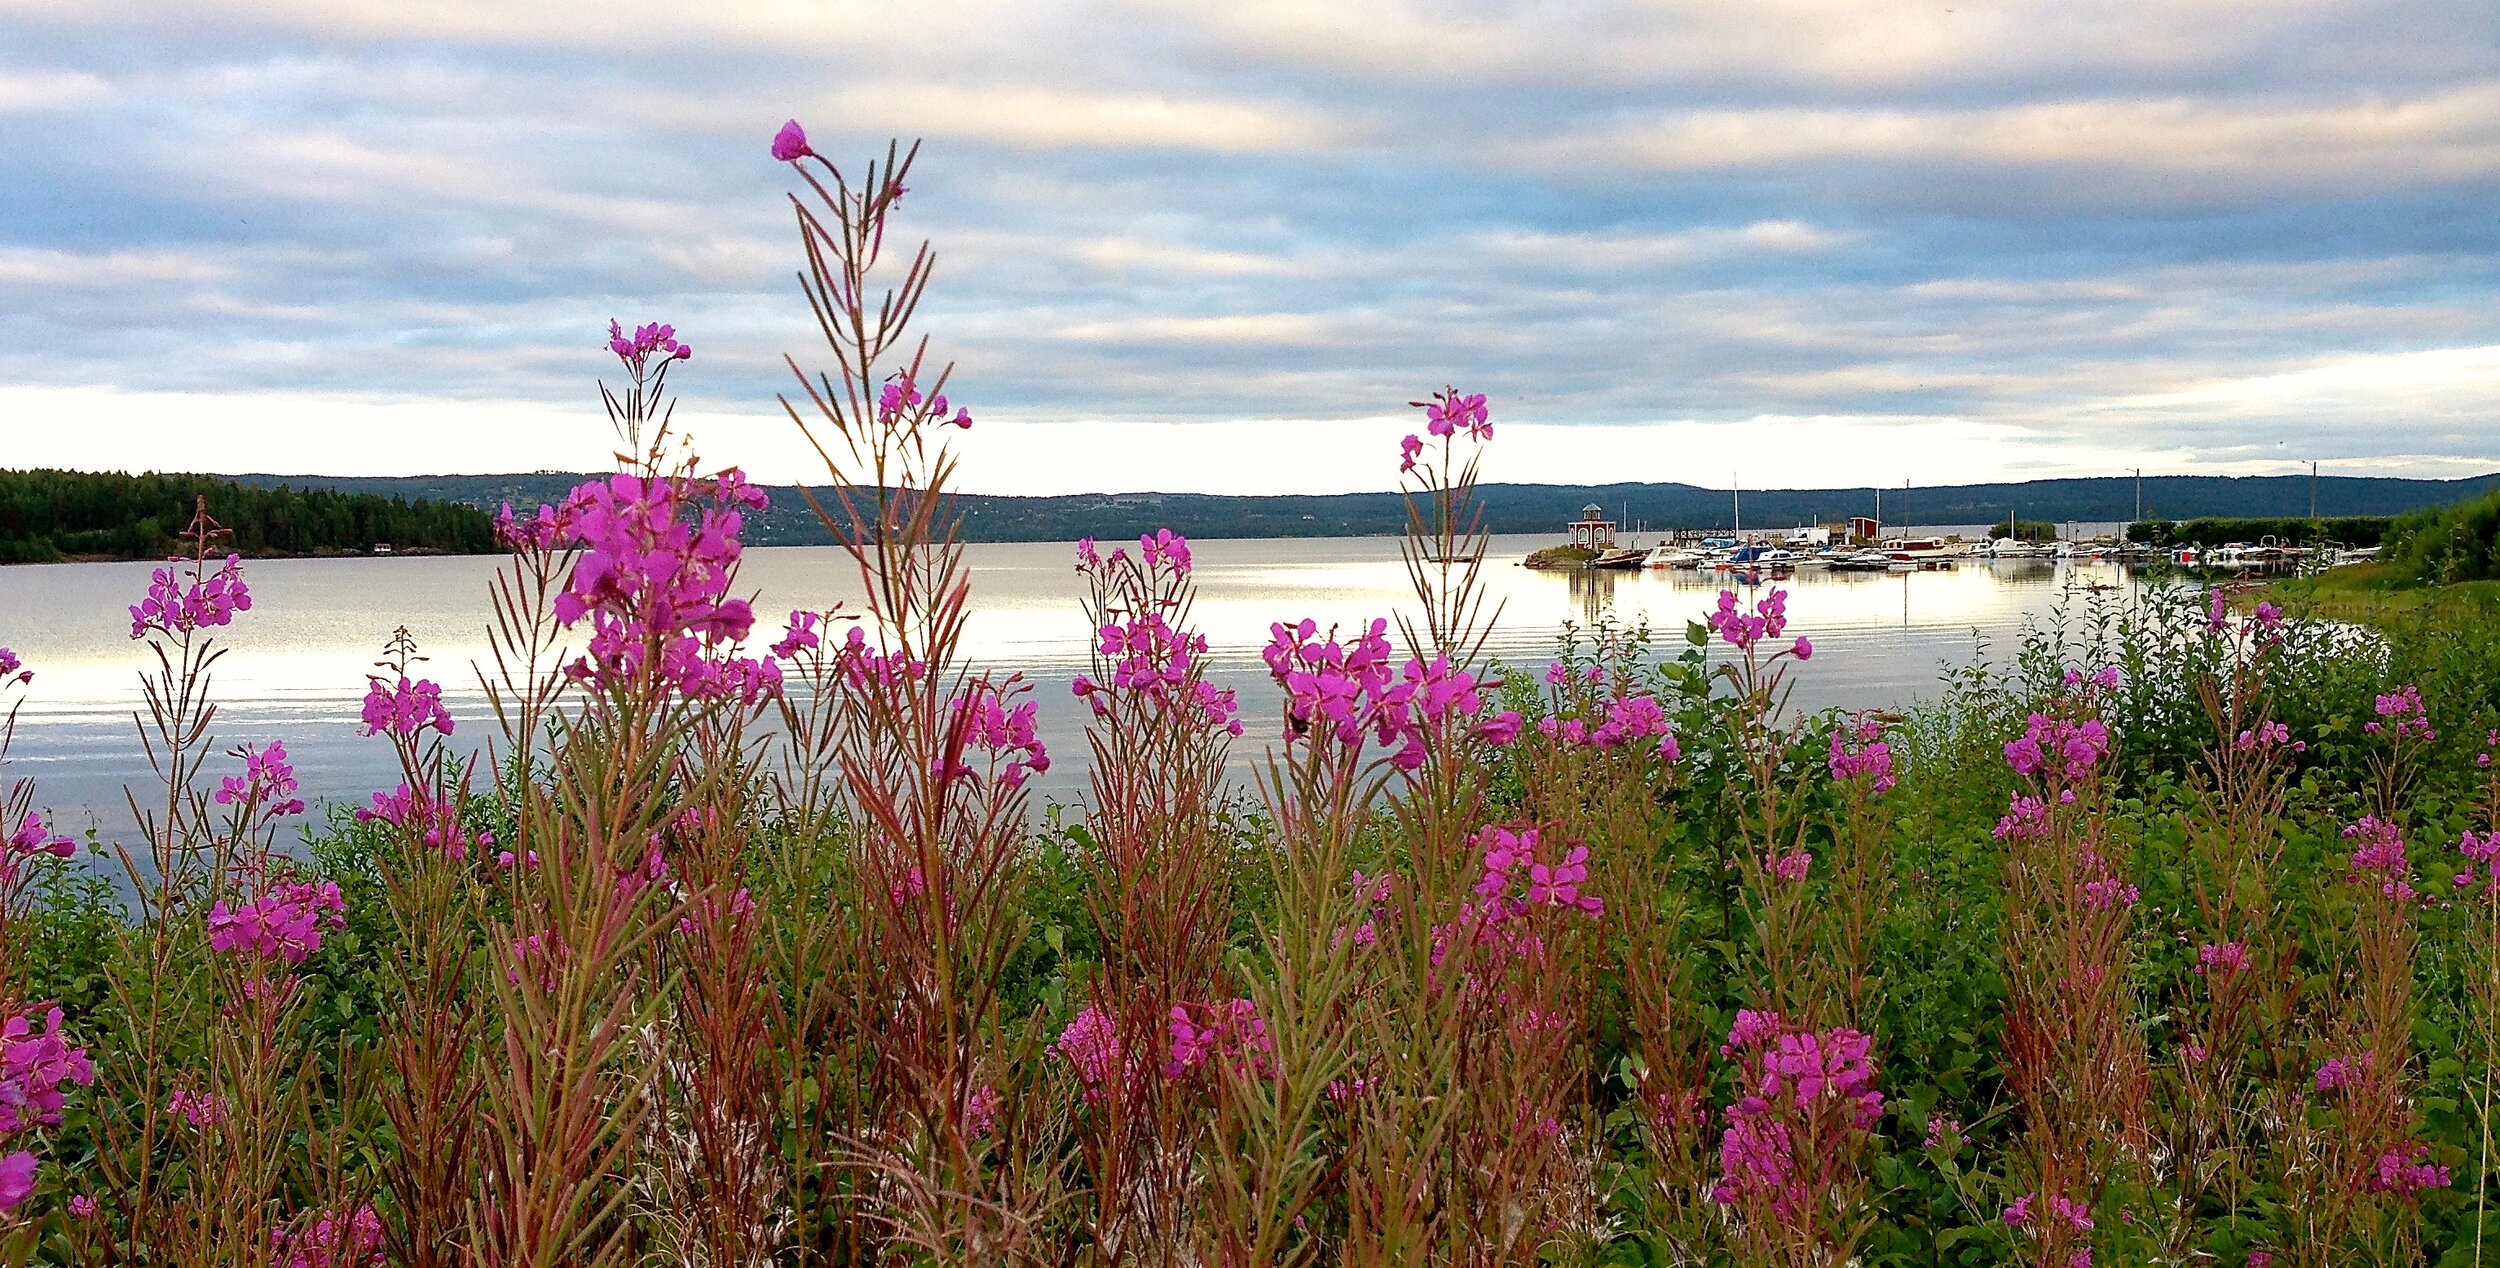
(296, 665)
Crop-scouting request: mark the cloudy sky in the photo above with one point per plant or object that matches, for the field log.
(1216, 246)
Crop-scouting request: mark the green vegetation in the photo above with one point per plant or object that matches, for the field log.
(48, 515)
(2448, 544)
(2343, 530)
(2024, 530)
(1561, 557)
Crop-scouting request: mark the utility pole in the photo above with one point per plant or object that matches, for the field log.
(2313, 488)
(2139, 495)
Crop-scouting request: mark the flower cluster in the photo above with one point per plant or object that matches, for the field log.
(267, 783)
(436, 821)
(540, 532)
(1231, 1034)
(405, 709)
(1859, 752)
(1743, 629)
(37, 1069)
(1515, 879)
(283, 923)
(13, 672)
(1154, 660)
(2221, 958)
(1807, 1097)
(334, 1239)
(2402, 716)
(31, 837)
(992, 723)
(658, 557)
(2405, 1171)
(1091, 1043)
(653, 340)
(2337, 1073)
(901, 397)
(200, 1109)
(2058, 746)
(2379, 856)
(175, 609)
(2482, 856)
(2026, 818)
(1342, 689)
(2269, 734)
(1448, 413)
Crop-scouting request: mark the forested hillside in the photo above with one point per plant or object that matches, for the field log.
(47, 515)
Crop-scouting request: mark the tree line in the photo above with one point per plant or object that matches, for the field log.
(48, 515)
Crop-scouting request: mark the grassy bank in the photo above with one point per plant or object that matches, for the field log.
(2378, 592)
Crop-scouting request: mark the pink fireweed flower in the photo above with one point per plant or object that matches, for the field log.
(1515, 879)
(1153, 660)
(405, 709)
(335, 1239)
(1805, 1097)
(1858, 751)
(2482, 854)
(436, 821)
(1165, 546)
(1091, 1043)
(2406, 1171)
(283, 923)
(267, 782)
(1345, 690)
(652, 340)
(2379, 857)
(540, 532)
(2061, 746)
(1791, 866)
(1230, 1035)
(82, 1207)
(981, 1110)
(17, 1179)
(992, 723)
(1802, 649)
(800, 635)
(2223, 958)
(2340, 1072)
(173, 609)
(1409, 450)
(31, 837)
(1450, 412)
(200, 1109)
(2269, 734)
(2108, 892)
(1943, 1132)
(13, 672)
(2402, 716)
(1631, 720)
(1742, 629)
(37, 1068)
(900, 401)
(658, 557)
(2025, 818)
(790, 143)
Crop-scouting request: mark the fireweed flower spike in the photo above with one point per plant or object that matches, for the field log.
(175, 609)
(790, 144)
(406, 709)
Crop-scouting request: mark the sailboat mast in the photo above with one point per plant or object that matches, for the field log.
(1737, 490)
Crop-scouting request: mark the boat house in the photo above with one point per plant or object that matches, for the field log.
(1592, 531)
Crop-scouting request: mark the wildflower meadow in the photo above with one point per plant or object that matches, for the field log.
(2169, 937)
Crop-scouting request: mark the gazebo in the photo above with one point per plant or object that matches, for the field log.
(1592, 531)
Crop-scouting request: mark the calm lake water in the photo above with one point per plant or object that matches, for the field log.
(297, 664)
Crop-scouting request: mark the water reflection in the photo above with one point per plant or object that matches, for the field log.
(297, 664)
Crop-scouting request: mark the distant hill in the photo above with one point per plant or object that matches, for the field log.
(47, 515)
(1520, 508)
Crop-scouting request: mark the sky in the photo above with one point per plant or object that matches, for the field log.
(1218, 246)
